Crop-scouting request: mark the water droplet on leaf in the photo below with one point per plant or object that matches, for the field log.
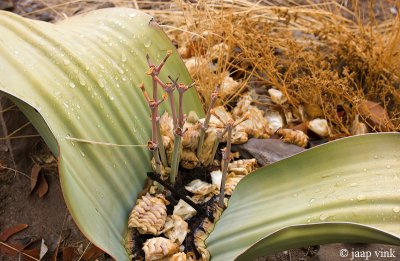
(116, 66)
(123, 57)
(361, 197)
(71, 84)
(323, 216)
(147, 44)
(81, 80)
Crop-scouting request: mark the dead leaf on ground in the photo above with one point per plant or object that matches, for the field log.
(65, 233)
(43, 185)
(9, 248)
(375, 115)
(68, 253)
(31, 254)
(15, 248)
(38, 180)
(5, 235)
(34, 249)
(92, 253)
(35, 175)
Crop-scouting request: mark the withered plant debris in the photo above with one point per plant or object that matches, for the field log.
(38, 181)
(27, 250)
(304, 60)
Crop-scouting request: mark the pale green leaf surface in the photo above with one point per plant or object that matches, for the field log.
(81, 76)
(343, 191)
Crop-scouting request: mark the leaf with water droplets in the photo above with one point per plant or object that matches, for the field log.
(82, 83)
(322, 195)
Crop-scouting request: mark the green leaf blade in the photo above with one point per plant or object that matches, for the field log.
(353, 180)
(78, 79)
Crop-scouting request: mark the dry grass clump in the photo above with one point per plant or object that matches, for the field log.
(326, 58)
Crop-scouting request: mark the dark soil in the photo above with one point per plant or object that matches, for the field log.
(47, 217)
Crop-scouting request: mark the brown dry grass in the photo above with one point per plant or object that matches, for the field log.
(323, 55)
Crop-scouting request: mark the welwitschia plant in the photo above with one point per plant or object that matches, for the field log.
(77, 80)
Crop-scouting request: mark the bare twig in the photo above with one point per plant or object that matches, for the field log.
(154, 71)
(226, 154)
(225, 160)
(204, 126)
(153, 144)
(182, 88)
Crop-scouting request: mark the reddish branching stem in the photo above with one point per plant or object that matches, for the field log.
(153, 105)
(169, 89)
(154, 71)
(226, 153)
(226, 157)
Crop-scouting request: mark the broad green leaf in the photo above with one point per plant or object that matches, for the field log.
(78, 79)
(344, 191)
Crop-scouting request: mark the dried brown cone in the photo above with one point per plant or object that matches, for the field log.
(243, 166)
(243, 106)
(149, 214)
(164, 171)
(296, 137)
(189, 159)
(211, 137)
(166, 126)
(191, 136)
(256, 125)
(231, 182)
(157, 248)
